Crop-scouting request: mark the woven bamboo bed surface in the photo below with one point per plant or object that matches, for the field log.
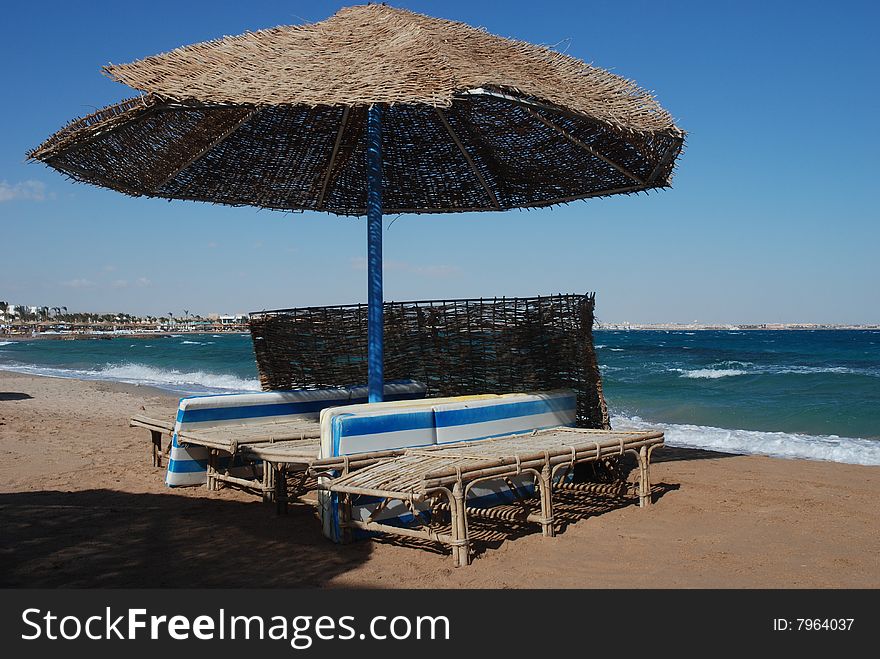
(303, 451)
(406, 476)
(230, 437)
(143, 421)
(276, 119)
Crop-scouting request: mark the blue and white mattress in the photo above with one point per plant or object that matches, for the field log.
(188, 464)
(364, 428)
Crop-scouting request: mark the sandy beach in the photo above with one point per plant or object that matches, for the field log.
(80, 506)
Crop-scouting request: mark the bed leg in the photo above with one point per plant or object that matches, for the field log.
(211, 483)
(461, 549)
(268, 482)
(347, 531)
(644, 478)
(280, 488)
(546, 485)
(156, 436)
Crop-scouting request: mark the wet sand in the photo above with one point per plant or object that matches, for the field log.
(81, 506)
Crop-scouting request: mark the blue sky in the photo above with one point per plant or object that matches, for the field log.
(772, 217)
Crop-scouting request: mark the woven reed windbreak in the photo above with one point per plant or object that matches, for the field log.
(275, 119)
(458, 347)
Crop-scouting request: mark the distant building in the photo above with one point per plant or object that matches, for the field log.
(233, 319)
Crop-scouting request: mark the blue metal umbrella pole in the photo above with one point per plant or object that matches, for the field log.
(375, 347)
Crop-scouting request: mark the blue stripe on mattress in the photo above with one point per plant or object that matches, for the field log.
(276, 409)
(390, 398)
(255, 411)
(484, 501)
(187, 466)
(468, 415)
(370, 425)
(194, 465)
(496, 435)
(366, 425)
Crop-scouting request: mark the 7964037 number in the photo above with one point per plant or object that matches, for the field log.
(824, 624)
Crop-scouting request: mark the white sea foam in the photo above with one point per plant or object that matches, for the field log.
(850, 450)
(196, 343)
(6, 343)
(709, 373)
(733, 368)
(171, 379)
(616, 349)
(598, 345)
(142, 374)
(783, 370)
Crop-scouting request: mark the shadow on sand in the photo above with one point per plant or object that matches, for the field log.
(568, 508)
(676, 454)
(14, 395)
(105, 538)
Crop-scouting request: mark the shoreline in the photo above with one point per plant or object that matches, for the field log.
(795, 449)
(129, 388)
(107, 336)
(719, 520)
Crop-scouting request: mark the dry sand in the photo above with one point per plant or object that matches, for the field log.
(80, 505)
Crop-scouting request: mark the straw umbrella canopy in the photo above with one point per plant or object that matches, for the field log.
(374, 109)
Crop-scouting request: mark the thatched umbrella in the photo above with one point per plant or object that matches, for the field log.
(373, 108)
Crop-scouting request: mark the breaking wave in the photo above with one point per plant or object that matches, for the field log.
(831, 448)
(141, 374)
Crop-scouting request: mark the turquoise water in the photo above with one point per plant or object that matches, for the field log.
(191, 363)
(785, 393)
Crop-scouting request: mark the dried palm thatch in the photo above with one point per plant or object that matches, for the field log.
(276, 119)
(456, 347)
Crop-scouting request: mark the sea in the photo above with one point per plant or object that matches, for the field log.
(791, 394)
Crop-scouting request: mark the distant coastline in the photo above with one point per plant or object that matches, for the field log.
(109, 334)
(102, 332)
(690, 327)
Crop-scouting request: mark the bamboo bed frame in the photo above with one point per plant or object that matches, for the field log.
(232, 440)
(157, 428)
(441, 475)
(280, 459)
(436, 473)
(229, 440)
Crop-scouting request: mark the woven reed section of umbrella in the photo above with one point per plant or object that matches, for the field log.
(458, 347)
(378, 54)
(276, 119)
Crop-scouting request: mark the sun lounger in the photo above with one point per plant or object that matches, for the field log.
(442, 478)
(209, 429)
(348, 434)
(283, 458)
(382, 466)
